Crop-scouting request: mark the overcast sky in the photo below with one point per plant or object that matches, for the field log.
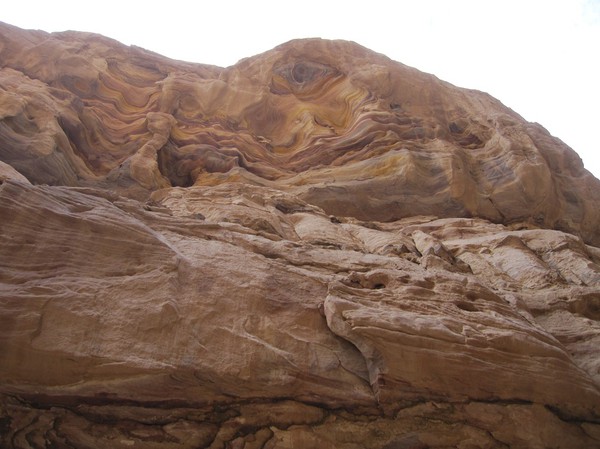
(539, 57)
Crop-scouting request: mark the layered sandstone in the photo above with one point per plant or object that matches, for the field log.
(315, 247)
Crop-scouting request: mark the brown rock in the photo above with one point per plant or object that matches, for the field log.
(7, 172)
(316, 247)
(345, 128)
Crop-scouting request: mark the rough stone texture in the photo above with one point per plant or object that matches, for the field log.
(316, 247)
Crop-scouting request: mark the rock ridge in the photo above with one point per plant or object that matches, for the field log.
(326, 120)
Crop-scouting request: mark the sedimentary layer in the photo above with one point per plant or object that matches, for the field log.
(315, 247)
(343, 127)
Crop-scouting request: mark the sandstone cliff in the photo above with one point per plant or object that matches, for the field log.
(315, 247)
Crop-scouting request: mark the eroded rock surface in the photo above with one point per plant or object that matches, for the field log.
(316, 247)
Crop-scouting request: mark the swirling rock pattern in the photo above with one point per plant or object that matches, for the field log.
(344, 128)
(315, 247)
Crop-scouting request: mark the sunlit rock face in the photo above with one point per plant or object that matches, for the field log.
(315, 247)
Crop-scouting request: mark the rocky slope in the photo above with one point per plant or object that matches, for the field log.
(316, 247)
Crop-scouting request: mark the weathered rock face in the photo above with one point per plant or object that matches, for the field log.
(316, 247)
(342, 127)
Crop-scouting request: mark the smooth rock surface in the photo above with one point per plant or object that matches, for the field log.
(316, 247)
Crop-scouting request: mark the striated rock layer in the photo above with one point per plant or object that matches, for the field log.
(315, 247)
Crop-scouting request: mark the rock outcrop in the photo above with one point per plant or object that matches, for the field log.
(315, 247)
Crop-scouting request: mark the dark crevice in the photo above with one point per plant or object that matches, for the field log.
(466, 306)
(565, 416)
(168, 167)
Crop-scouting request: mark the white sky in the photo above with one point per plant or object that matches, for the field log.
(539, 57)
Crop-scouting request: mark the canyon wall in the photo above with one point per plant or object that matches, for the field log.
(315, 247)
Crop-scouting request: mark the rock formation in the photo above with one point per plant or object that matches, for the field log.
(315, 247)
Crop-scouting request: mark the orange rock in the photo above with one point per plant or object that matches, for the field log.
(343, 127)
(316, 247)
